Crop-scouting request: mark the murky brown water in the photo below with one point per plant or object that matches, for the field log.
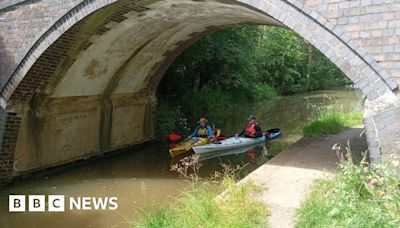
(142, 177)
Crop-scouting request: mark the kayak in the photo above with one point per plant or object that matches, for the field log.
(187, 146)
(237, 142)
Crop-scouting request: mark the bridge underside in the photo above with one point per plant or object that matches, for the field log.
(99, 92)
(92, 88)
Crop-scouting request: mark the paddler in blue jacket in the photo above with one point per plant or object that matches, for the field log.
(203, 130)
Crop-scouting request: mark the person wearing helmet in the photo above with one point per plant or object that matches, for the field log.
(252, 130)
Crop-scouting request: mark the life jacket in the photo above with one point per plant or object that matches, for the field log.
(202, 132)
(250, 130)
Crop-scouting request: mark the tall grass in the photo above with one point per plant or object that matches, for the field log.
(332, 122)
(360, 195)
(200, 208)
(263, 91)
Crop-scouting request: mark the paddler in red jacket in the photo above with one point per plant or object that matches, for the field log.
(252, 130)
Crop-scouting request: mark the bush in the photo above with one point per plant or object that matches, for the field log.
(332, 122)
(170, 119)
(201, 103)
(200, 208)
(206, 101)
(263, 91)
(360, 195)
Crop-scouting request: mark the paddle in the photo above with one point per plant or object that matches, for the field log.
(266, 133)
(174, 137)
(272, 130)
(189, 145)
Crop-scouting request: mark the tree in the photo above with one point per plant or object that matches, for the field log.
(246, 56)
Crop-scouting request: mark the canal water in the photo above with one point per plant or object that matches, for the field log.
(142, 177)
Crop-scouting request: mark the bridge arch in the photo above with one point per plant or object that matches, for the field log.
(106, 57)
(352, 59)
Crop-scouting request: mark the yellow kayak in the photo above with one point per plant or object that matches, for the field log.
(187, 146)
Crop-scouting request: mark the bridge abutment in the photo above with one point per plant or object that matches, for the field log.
(382, 127)
(55, 134)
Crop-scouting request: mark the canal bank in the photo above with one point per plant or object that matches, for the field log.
(288, 177)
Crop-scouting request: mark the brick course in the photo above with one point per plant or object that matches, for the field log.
(9, 128)
(21, 26)
(373, 24)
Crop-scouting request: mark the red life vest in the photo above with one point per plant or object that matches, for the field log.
(251, 130)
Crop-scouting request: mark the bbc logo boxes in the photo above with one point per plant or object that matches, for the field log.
(36, 203)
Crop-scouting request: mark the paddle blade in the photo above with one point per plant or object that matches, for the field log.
(188, 146)
(218, 132)
(274, 130)
(174, 137)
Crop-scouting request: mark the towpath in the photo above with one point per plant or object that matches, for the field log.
(289, 176)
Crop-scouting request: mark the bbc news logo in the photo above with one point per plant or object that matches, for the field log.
(57, 203)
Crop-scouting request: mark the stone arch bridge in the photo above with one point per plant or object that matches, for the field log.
(78, 77)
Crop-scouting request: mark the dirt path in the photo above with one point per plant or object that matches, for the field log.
(289, 176)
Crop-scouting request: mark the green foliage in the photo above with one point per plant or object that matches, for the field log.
(292, 65)
(240, 64)
(360, 195)
(200, 208)
(171, 117)
(282, 60)
(324, 74)
(170, 120)
(203, 102)
(263, 92)
(332, 122)
(221, 61)
(250, 58)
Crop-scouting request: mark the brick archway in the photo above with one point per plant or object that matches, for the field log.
(352, 59)
(47, 56)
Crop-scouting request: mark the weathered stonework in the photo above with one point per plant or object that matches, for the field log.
(78, 78)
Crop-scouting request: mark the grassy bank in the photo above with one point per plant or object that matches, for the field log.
(332, 122)
(199, 208)
(358, 196)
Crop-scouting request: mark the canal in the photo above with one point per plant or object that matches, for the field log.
(142, 177)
